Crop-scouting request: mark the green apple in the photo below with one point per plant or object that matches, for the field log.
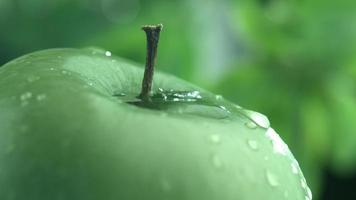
(72, 128)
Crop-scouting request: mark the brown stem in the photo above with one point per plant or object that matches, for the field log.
(152, 34)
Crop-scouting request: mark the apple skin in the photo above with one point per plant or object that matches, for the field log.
(64, 136)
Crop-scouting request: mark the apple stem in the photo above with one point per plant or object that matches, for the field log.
(152, 34)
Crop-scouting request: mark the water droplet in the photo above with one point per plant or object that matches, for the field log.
(166, 185)
(216, 162)
(218, 97)
(25, 96)
(215, 138)
(286, 194)
(194, 94)
(180, 111)
(64, 72)
(224, 108)
(303, 183)
(107, 53)
(180, 102)
(91, 83)
(31, 79)
(278, 145)
(121, 94)
(41, 97)
(24, 103)
(295, 168)
(253, 144)
(164, 97)
(163, 114)
(251, 125)
(237, 106)
(309, 193)
(52, 69)
(271, 179)
(258, 118)
(176, 96)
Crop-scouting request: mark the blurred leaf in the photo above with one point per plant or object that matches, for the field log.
(342, 91)
(315, 123)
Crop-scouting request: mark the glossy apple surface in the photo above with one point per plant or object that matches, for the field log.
(67, 132)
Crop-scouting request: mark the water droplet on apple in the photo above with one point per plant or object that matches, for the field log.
(303, 183)
(237, 106)
(218, 97)
(180, 111)
(166, 185)
(121, 94)
(251, 125)
(24, 103)
(179, 102)
(25, 96)
(295, 167)
(107, 53)
(176, 96)
(309, 193)
(278, 145)
(217, 163)
(66, 72)
(164, 97)
(271, 179)
(258, 118)
(224, 108)
(41, 97)
(163, 114)
(253, 144)
(215, 138)
(52, 69)
(286, 194)
(32, 78)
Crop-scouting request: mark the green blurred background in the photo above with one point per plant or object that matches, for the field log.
(293, 60)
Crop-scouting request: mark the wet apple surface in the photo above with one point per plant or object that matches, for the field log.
(72, 127)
